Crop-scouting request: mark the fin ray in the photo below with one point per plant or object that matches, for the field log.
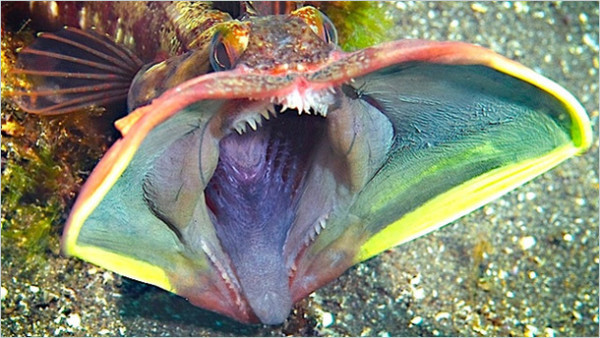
(72, 69)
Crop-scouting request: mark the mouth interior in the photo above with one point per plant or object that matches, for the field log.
(253, 197)
(261, 173)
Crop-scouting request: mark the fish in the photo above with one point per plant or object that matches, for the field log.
(261, 161)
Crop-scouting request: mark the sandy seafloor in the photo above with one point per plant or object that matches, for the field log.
(526, 264)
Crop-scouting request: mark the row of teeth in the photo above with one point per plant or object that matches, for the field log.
(254, 121)
(319, 226)
(231, 284)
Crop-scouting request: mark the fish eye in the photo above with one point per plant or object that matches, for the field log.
(329, 31)
(318, 22)
(227, 46)
(220, 59)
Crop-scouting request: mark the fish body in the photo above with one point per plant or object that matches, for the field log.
(259, 164)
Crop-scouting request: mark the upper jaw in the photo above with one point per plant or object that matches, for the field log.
(252, 114)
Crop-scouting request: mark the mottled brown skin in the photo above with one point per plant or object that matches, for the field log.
(283, 44)
(272, 45)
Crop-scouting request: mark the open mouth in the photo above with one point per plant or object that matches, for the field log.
(254, 195)
(271, 176)
(263, 172)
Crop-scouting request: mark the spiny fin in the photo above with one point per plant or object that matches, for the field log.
(73, 69)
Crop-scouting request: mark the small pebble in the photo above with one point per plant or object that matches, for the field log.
(527, 242)
(416, 279)
(419, 293)
(4, 293)
(74, 320)
(366, 332)
(478, 8)
(442, 315)
(34, 289)
(326, 319)
(580, 201)
(521, 7)
(530, 331)
(549, 332)
(416, 320)
(107, 276)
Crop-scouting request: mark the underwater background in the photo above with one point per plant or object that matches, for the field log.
(524, 265)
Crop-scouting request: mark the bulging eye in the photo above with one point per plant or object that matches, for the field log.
(220, 56)
(227, 46)
(318, 22)
(329, 31)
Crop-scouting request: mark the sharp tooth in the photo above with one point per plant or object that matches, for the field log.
(318, 230)
(332, 90)
(239, 130)
(265, 114)
(252, 124)
(322, 223)
(284, 107)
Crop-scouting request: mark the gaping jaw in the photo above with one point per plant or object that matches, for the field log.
(279, 176)
(244, 222)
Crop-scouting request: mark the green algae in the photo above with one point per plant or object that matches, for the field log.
(27, 216)
(44, 162)
(360, 24)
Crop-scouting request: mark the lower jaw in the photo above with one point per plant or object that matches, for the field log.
(253, 196)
